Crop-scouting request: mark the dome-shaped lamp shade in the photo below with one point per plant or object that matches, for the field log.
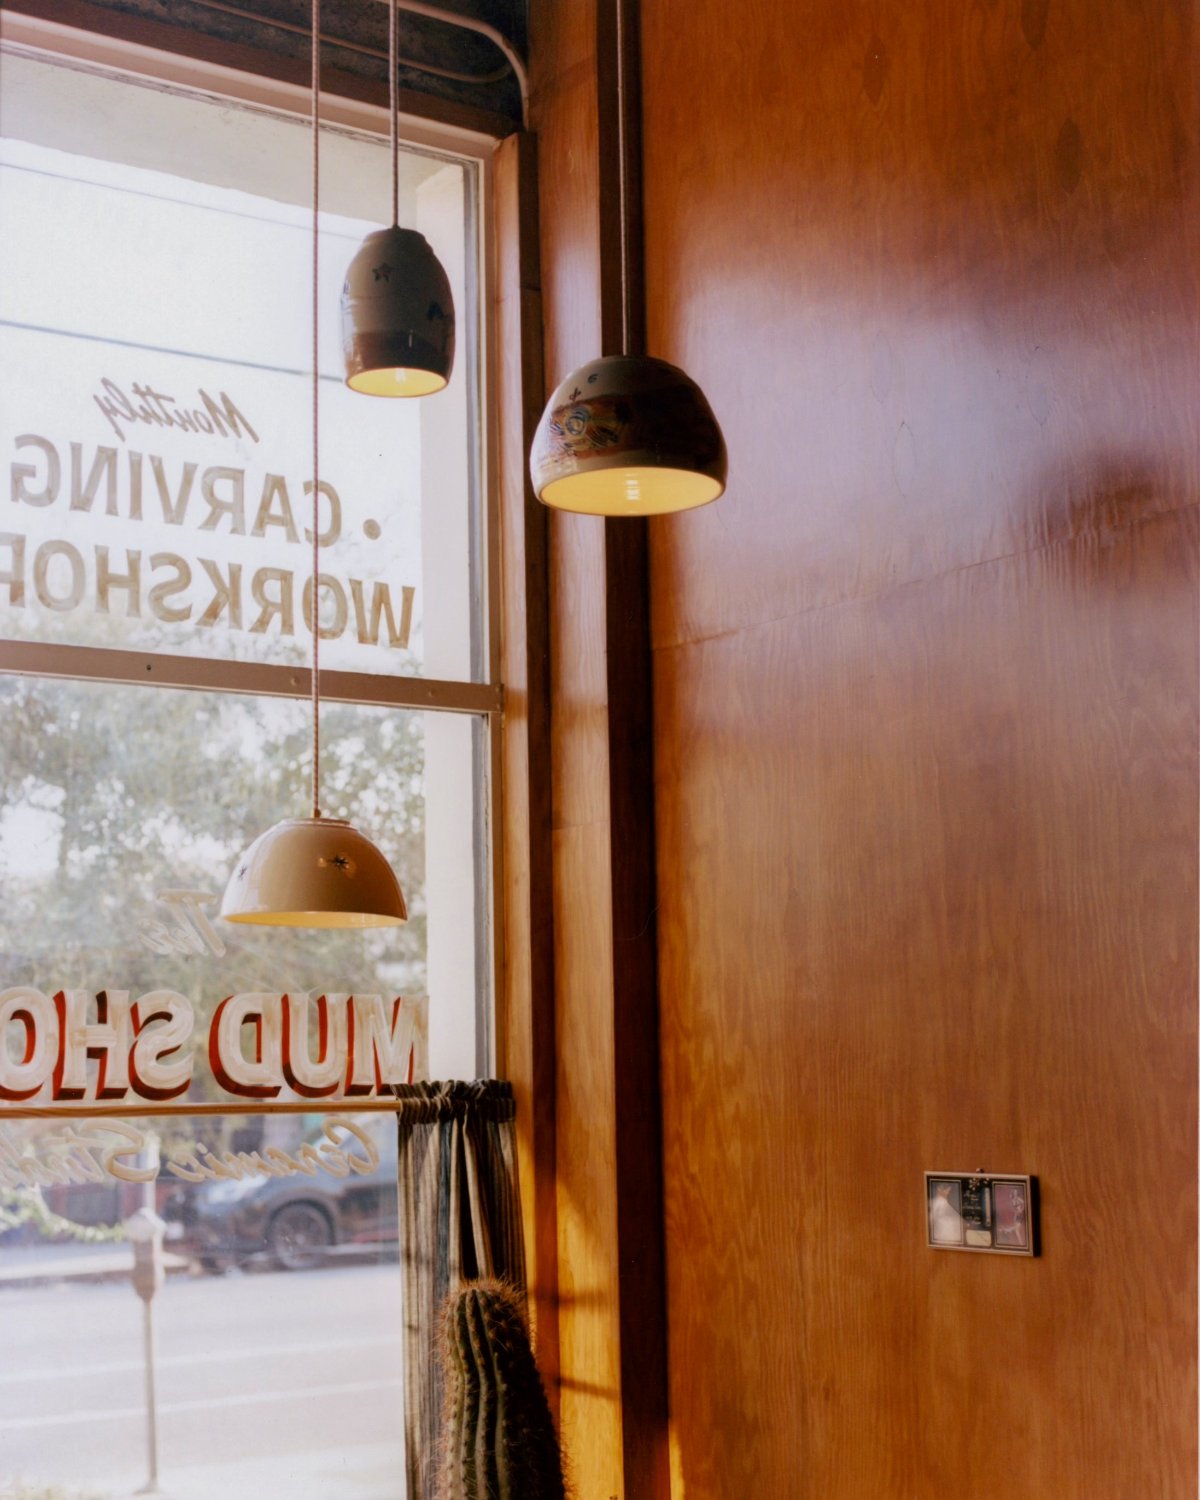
(314, 872)
(628, 436)
(397, 317)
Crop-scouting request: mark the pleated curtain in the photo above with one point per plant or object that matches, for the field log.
(460, 1218)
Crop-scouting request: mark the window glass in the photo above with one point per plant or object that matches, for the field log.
(155, 405)
(278, 1327)
(155, 408)
(124, 811)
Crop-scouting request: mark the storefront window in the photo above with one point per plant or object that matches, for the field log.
(154, 300)
(154, 426)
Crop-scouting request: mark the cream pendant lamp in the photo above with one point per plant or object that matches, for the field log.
(627, 435)
(315, 871)
(397, 307)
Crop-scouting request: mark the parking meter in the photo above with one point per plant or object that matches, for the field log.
(145, 1231)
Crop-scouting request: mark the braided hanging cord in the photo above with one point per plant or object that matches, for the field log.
(394, 106)
(316, 382)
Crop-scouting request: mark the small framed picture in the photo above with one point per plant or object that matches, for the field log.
(944, 1195)
(1010, 1206)
(981, 1211)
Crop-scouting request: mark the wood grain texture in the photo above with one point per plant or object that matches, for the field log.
(562, 53)
(915, 312)
(565, 115)
(610, 1206)
(525, 1010)
(589, 1271)
(926, 732)
(636, 1096)
(964, 865)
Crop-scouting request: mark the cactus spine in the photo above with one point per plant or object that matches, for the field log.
(499, 1441)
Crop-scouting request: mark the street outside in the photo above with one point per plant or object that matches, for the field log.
(285, 1383)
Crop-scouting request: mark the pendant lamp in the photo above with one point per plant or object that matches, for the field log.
(315, 871)
(397, 307)
(627, 435)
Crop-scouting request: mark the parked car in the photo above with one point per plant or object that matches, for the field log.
(300, 1221)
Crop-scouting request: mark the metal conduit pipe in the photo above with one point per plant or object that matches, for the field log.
(482, 28)
(431, 12)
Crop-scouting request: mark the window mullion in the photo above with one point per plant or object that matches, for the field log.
(101, 664)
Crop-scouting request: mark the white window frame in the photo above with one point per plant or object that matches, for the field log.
(51, 42)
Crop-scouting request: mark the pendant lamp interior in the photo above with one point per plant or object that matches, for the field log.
(627, 435)
(315, 871)
(397, 306)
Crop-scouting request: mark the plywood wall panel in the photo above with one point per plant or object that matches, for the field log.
(904, 250)
(933, 918)
(926, 743)
(570, 235)
(526, 1051)
(590, 1397)
(565, 115)
(926, 730)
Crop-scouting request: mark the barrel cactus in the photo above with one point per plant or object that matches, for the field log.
(499, 1441)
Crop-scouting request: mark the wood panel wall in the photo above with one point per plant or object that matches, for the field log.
(564, 87)
(926, 739)
(525, 1010)
(926, 724)
(609, 1211)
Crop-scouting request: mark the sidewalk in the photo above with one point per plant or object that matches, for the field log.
(35, 1265)
(342, 1472)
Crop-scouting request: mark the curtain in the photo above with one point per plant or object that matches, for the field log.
(460, 1218)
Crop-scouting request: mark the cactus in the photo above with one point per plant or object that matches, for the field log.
(499, 1441)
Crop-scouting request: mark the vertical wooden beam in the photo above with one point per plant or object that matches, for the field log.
(526, 1029)
(637, 1097)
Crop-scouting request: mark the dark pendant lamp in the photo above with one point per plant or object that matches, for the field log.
(627, 435)
(315, 871)
(397, 307)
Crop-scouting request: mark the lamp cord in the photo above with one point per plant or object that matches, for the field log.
(394, 105)
(316, 384)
